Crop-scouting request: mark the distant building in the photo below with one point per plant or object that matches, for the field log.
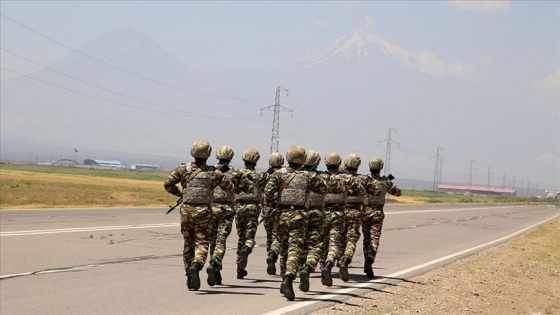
(479, 190)
(104, 163)
(145, 167)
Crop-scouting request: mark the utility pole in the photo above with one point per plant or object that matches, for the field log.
(489, 174)
(437, 170)
(276, 120)
(387, 168)
(504, 181)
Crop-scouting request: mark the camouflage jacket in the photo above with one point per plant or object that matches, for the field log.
(239, 181)
(181, 174)
(377, 188)
(356, 192)
(275, 184)
(340, 184)
(257, 179)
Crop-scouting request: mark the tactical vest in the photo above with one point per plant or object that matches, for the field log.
(294, 189)
(198, 189)
(332, 198)
(381, 188)
(357, 198)
(224, 196)
(256, 195)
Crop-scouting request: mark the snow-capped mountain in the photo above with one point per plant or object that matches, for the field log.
(363, 47)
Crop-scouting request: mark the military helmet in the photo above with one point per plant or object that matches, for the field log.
(275, 159)
(376, 163)
(313, 158)
(251, 155)
(201, 149)
(225, 153)
(352, 160)
(333, 159)
(296, 154)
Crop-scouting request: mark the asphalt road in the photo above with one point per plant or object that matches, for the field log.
(128, 261)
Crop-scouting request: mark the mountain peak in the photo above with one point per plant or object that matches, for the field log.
(360, 46)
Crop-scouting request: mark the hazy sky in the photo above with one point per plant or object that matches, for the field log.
(510, 48)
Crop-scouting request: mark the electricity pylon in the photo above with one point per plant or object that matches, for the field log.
(276, 120)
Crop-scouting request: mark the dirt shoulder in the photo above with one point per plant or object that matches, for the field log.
(521, 276)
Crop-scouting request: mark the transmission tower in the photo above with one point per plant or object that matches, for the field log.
(387, 169)
(489, 174)
(437, 169)
(470, 174)
(276, 120)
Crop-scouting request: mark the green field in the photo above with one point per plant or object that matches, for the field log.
(27, 186)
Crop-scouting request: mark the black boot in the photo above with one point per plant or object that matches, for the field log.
(243, 257)
(211, 271)
(287, 289)
(343, 271)
(241, 273)
(218, 277)
(326, 277)
(368, 269)
(189, 281)
(271, 263)
(193, 273)
(304, 279)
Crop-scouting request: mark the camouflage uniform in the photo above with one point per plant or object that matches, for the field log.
(377, 187)
(224, 212)
(291, 186)
(248, 208)
(353, 218)
(270, 217)
(197, 219)
(335, 203)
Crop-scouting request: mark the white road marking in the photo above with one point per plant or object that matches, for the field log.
(448, 210)
(335, 294)
(88, 229)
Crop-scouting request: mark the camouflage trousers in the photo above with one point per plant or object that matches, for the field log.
(291, 236)
(314, 235)
(351, 232)
(197, 225)
(372, 224)
(246, 222)
(270, 221)
(222, 229)
(333, 228)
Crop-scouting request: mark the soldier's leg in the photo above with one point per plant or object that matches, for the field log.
(187, 229)
(240, 225)
(315, 236)
(297, 222)
(253, 212)
(377, 225)
(217, 253)
(268, 227)
(354, 221)
(336, 228)
(367, 223)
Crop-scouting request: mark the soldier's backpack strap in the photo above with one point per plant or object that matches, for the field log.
(193, 174)
(288, 180)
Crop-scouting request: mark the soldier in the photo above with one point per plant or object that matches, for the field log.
(270, 218)
(198, 181)
(353, 214)
(224, 212)
(335, 203)
(311, 252)
(248, 208)
(288, 189)
(377, 186)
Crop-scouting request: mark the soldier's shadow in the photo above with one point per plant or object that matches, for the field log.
(214, 292)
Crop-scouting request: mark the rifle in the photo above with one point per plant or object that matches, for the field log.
(264, 217)
(391, 177)
(171, 208)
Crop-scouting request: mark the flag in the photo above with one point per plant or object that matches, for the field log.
(76, 150)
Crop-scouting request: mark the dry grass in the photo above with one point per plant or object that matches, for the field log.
(23, 189)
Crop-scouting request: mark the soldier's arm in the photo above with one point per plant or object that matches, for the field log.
(318, 184)
(245, 184)
(222, 180)
(272, 186)
(171, 182)
(394, 190)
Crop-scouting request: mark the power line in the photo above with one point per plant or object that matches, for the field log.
(103, 99)
(118, 93)
(126, 71)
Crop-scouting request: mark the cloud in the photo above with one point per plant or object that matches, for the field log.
(550, 81)
(466, 5)
(430, 64)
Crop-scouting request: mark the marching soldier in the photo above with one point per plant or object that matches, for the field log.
(224, 212)
(288, 188)
(248, 207)
(198, 181)
(271, 216)
(377, 187)
(353, 214)
(335, 203)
